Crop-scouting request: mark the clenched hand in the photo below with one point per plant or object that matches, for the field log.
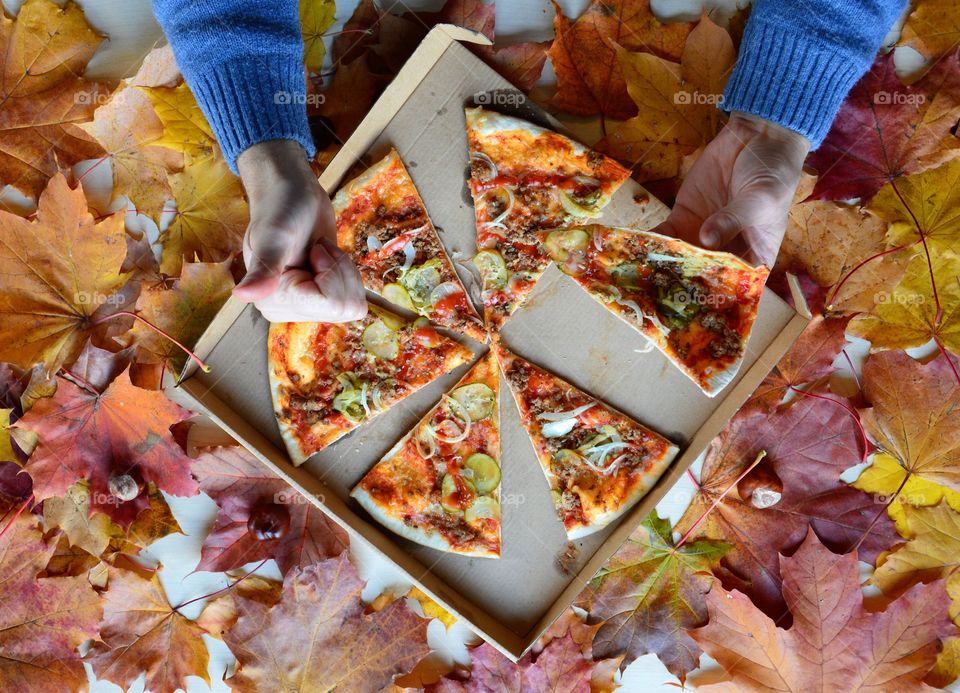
(738, 193)
(295, 271)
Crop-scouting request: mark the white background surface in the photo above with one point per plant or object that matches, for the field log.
(133, 32)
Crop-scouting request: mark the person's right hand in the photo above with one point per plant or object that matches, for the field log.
(295, 271)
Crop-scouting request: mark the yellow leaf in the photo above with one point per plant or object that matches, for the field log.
(316, 16)
(184, 127)
(431, 608)
(933, 28)
(6, 449)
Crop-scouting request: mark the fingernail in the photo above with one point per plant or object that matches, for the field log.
(709, 237)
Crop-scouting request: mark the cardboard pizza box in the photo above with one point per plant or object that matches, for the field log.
(511, 601)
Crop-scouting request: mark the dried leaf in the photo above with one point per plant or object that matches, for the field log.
(185, 129)
(834, 641)
(316, 16)
(933, 28)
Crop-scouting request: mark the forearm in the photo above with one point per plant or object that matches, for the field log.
(243, 60)
(799, 58)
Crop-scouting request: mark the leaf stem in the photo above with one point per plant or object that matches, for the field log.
(693, 478)
(852, 369)
(883, 510)
(839, 285)
(131, 314)
(80, 381)
(222, 589)
(718, 499)
(850, 410)
(17, 514)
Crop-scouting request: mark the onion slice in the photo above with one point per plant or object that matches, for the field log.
(486, 161)
(558, 429)
(561, 415)
(374, 244)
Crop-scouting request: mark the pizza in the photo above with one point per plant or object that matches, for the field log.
(384, 227)
(696, 306)
(328, 378)
(598, 461)
(440, 484)
(525, 178)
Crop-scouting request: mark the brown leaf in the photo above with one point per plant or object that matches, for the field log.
(325, 639)
(245, 489)
(43, 621)
(56, 273)
(834, 644)
(42, 97)
(590, 79)
(933, 28)
(142, 632)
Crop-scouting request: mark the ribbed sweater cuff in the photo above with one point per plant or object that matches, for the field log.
(254, 100)
(793, 79)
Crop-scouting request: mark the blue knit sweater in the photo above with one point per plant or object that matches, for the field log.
(243, 61)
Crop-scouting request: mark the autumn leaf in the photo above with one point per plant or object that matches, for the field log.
(833, 638)
(886, 130)
(808, 446)
(185, 129)
(55, 274)
(933, 28)
(906, 317)
(649, 593)
(210, 219)
(123, 432)
(316, 16)
(590, 78)
(809, 360)
(677, 103)
(42, 96)
(43, 621)
(127, 128)
(247, 492)
(141, 632)
(914, 415)
(182, 310)
(318, 637)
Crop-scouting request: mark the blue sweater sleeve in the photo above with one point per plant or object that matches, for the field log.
(243, 60)
(799, 58)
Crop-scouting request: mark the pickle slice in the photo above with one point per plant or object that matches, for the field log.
(493, 270)
(477, 399)
(398, 296)
(381, 341)
(484, 507)
(486, 472)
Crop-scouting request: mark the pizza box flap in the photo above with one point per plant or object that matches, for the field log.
(509, 601)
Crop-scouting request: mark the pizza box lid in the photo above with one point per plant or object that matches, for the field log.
(511, 601)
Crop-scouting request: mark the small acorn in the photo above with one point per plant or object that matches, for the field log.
(124, 487)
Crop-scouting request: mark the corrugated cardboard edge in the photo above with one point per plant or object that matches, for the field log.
(707, 432)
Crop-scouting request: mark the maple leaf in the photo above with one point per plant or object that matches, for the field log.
(808, 446)
(55, 274)
(127, 128)
(809, 360)
(43, 621)
(889, 482)
(42, 96)
(123, 431)
(834, 643)
(590, 78)
(316, 16)
(933, 28)
(211, 216)
(244, 488)
(318, 637)
(914, 414)
(185, 129)
(677, 103)
(906, 317)
(15, 484)
(886, 130)
(141, 632)
(649, 592)
(183, 311)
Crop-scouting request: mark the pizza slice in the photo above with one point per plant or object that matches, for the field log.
(328, 378)
(384, 227)
(598, 461)
(525, 178)
(696, 306)
(440, 484)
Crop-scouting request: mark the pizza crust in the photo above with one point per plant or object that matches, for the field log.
(433, 540)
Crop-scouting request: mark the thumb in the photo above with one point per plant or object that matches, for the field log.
(259, 282)
(724, 225)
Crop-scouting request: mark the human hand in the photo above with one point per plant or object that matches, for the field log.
(295, 271)
(737, 194)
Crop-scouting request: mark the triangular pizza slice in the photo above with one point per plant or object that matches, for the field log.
(440, 484)
(525, 178)
(383, 225)
(328, 378)
(696, 306)
(598, 461)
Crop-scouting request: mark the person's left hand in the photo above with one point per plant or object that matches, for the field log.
(737, 194)
(295, 271)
